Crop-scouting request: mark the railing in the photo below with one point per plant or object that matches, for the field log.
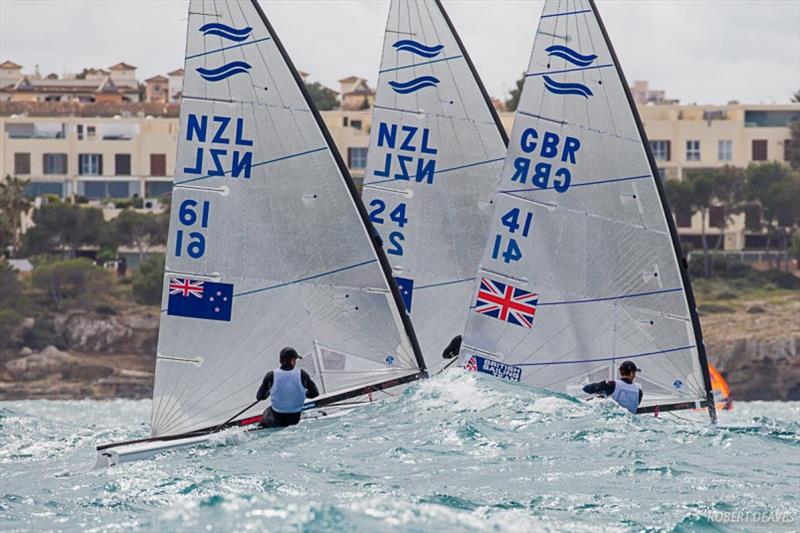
(744, 256)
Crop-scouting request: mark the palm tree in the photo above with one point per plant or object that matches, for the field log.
(13, 204)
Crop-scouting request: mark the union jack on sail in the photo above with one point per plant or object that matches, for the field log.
(506, 302)
(186, 287)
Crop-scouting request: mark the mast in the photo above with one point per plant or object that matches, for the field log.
(682, 264)
(362, 211)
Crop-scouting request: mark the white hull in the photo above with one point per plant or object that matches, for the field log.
(124, 453)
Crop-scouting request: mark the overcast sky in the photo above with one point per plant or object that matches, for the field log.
(703, 51)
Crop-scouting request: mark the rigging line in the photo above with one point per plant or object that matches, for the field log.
(194, 56)
(547, 72)
(608, 298)
(260, 163)
(612, 358)
(414, 65)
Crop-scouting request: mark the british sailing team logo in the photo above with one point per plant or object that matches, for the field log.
(228, 69)
(476, 363)
(570, 56)
(421, 82)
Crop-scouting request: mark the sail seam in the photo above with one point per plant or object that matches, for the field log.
(587, 128)
(403, 67)
(612, 358)
(260, 163)
(565, 13)
(308, 278)
(607, 298)
(486, 162)
(544, 73)
(209, 52)
(599, 182)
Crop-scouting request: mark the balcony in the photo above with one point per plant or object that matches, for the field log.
(38, 130)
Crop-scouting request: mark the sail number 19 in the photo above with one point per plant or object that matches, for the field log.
(505, 247)
(193, 220)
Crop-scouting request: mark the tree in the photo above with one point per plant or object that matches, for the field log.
(71, 279)
(141, 230)
(728, 192)
(775, 189)
(793, 146)
(324, 99)
(13, 204)
(10, 288)
(796, 98)
(63, 226)
(513, 102)
(701, 182)
(149, 281)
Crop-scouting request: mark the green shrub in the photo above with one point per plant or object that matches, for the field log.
(43, 334)
(149, 280)
(71, 279)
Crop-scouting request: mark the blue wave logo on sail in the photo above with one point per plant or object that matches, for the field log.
(407, 45)
(570, 55)
(225, 31)
(557, 87)
(412, 86)
(224, 72)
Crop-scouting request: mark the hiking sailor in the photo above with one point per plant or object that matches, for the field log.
(288, 386)
(623, 391)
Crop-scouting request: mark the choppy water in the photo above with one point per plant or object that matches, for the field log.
(458, 452)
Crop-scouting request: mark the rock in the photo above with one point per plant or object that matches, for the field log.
(25, 351)
(28, 323)
(49, 361)
(109, 334)
(756, 309)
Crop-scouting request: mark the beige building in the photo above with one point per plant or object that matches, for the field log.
(119, 151)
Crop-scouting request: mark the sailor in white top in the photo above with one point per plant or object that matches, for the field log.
(623, 391)
(288, 387)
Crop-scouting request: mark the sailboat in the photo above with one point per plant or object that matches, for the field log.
(269, 246)
(436, 150)
(582, 268)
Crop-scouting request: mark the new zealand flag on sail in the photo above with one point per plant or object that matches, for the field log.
(196, 298)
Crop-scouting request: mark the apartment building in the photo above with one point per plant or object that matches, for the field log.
(121, 151)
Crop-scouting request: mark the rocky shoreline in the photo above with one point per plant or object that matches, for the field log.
(755, 346)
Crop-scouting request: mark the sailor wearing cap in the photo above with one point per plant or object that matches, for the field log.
(288, 386)
(623, 390)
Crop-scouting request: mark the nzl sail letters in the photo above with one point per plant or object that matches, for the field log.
(221, 152)
(413, 153)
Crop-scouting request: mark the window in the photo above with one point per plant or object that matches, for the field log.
(22, 163)
(90, 132)
(90, 164)
(34, 189)
(693, 150)
(716, 216)
(158, 165)
(86, 132)
(661, 150)
(79, 130)
(54, 163)
(759, 150)
(787, 149)
(154, 189)
(355, 124)
(683, 219)
(725, 150)
(345, 121)
(357, 157)
(106, 189)
(122, 164)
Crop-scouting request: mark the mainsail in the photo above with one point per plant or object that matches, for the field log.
(269, 244)
(435, 155)
(582, 268)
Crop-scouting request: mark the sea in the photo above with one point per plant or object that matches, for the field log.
(458, 452)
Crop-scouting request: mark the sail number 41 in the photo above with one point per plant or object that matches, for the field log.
(514, 220)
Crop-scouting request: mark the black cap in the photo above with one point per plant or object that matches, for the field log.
(288, 353)
(627, 367)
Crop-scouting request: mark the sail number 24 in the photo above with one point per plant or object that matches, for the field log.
(506, 247)
(397, 216)
(193, 220)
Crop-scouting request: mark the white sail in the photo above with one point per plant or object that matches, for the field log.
(435, 155)
(581, 269)
(268, 244)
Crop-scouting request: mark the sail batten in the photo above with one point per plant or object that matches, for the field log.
(436, 148)
(582, 267)
(269, 244)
